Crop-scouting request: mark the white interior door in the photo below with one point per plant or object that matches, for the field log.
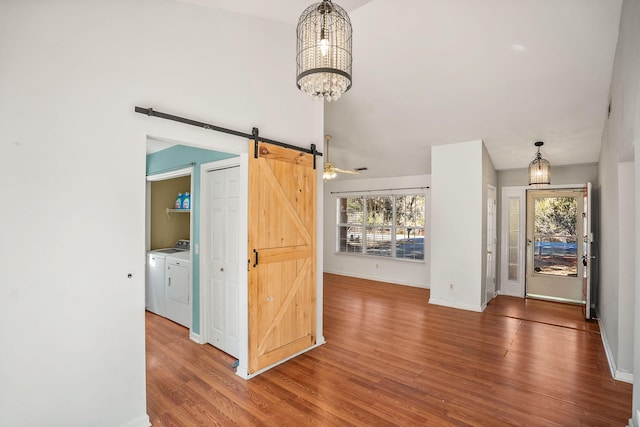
(492, 242)
(222, 263)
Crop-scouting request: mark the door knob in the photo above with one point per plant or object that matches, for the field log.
(221, 269)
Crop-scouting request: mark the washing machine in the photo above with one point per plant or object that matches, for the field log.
(155, 298)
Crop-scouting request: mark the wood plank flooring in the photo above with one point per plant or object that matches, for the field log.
(391, 359)
(566, 315)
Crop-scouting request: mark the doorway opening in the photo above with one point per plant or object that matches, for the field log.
(554, 245)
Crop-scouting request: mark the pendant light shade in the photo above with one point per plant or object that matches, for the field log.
(323, 53)
(539, 169)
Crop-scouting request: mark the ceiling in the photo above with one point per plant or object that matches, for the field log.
(432, 72)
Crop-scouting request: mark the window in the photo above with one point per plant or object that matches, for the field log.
(390, 226)
(514, 238)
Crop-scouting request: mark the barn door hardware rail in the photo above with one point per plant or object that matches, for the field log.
(253, 135)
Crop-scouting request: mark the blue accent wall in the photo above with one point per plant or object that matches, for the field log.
(179, 157)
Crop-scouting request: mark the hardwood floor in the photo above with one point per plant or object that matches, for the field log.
(393, 359)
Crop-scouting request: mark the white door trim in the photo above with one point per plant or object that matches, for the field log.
(492, 244)
(170, 174)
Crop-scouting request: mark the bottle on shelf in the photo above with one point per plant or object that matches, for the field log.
(179, 199)
(186, 201)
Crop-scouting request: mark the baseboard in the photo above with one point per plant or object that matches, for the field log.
(616, 374)
(453, 304)
(518, 293)
(379, 279)
(243, 373)
(623, 376)
(195, 337)
(607, 351)
(143, 421)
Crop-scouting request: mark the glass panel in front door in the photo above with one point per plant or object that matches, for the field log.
(555, 236)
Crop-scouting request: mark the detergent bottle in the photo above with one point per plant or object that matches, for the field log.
(186, 201)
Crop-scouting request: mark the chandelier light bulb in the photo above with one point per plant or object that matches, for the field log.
(324, 47)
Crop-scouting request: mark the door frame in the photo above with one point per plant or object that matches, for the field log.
(242, 161)
(542, 279)
(513, 288)
(518, 288)
(163, 176)
(490, 288)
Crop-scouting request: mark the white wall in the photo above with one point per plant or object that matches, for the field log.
(620, 145)
(626, 273)
(457, 205)
(375, 268)
(72, 162)
(560, 175)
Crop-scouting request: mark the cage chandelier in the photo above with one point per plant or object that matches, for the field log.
(539, 169)
(323, 54)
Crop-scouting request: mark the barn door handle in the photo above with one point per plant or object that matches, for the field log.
(256, 262)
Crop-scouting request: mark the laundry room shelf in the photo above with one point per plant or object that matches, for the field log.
(172, 211)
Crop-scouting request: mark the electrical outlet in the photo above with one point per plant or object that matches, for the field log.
(450, 286)
(376, 265)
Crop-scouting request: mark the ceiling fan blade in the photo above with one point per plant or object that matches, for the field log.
(346, 171)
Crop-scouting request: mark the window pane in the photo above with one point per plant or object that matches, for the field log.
(351, 210)
(514, 238)
(410, 243)
(514, 206)
(513, 256)
(410, 210)
(514, 222)
(555, 237)
(350, 239)
(379, 210)
(378, 241)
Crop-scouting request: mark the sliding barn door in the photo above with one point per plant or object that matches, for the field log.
(282, 254)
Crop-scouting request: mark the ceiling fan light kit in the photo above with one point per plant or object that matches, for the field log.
(539, 169)
(330, 170)
(323, 54)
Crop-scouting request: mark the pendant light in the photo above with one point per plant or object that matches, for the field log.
(323, 53)
(539, 169)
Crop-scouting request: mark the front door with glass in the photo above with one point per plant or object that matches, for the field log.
(554, 245)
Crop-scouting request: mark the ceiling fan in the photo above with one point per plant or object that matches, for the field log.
(330, 170)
